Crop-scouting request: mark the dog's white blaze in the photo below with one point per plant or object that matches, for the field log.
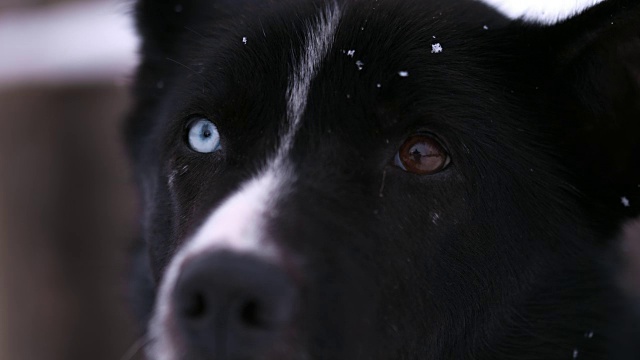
(319, 40)
(237, 225)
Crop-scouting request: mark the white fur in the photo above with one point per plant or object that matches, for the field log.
(238, 223)
(541, 11)
(319, 41)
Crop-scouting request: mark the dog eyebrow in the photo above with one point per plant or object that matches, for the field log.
(319, 39)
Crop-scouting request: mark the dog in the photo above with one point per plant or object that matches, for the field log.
(383, 179)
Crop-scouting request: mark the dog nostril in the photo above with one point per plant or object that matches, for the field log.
(251, 315)
(196, 307)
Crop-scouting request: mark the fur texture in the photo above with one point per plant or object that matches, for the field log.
(504, 254)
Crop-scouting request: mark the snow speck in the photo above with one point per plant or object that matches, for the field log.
(485, 27)
(403, 73)
(436, 48)
(575, 353)
(625, 201)
(378, 85)
(359, 64)
(589, 335)
(160, 84)
(178, 8)
(362, 28)
(244, 40)
(434, 218)
(348, 96)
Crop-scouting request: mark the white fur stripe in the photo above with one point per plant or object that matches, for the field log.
(238, 224)
(319, 41)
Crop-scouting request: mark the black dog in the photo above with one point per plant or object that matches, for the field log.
(383, 179)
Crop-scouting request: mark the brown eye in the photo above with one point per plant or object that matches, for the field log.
(422, 155)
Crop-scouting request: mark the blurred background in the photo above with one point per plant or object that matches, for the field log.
(66, 201)
(67, 206)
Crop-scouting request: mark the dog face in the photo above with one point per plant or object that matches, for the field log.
(381, 179)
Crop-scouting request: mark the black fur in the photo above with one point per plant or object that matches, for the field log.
(506, 254)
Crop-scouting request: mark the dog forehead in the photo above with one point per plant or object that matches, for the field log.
(391, 58)
(273, 36)
(329, 62)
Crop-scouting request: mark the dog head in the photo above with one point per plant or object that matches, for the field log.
(381, 179)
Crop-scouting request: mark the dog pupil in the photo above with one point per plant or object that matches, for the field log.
(417, 156)
(418, 151)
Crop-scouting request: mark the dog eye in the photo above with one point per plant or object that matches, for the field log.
(422, 155)
(203, 136)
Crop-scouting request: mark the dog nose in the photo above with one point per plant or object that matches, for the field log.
(230, 306)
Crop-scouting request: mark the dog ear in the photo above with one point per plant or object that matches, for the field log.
(165, 24)
(596, 86)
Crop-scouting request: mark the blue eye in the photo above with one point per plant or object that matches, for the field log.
(203, 136)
